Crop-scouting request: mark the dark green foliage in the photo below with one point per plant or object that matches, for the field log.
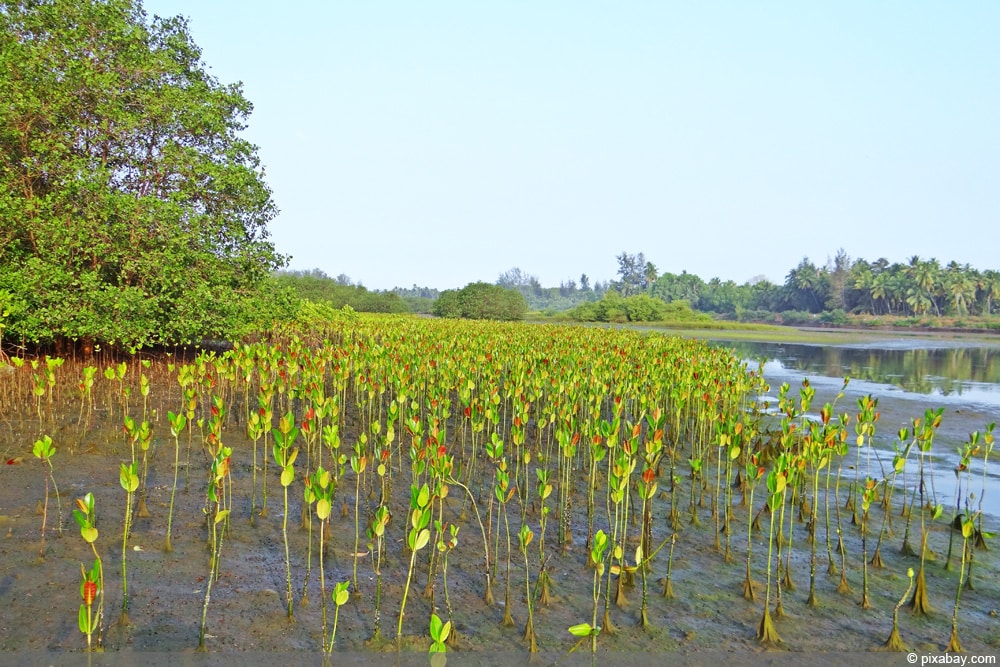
(481, 301)
(130, 210)
(637, 308)
(339, 292)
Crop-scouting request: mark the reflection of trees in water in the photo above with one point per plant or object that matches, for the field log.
(946, 370)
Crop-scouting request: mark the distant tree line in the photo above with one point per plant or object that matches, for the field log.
(918, 288)
(570, 292)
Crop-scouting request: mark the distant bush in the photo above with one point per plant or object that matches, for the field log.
(637, 308)
(837, 316)
(796, 317)
(481, 301)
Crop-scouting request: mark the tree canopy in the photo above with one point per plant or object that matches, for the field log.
(131, 210)
(481, 301)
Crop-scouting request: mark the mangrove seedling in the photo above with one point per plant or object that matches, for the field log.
(88, 619)
(440, 631)
(340, 597)
(525, 537)
(44, 451)
(219, 474)
(895, 642)
(359, 461)
(968, 527)
(376, 537)
(753, 473)
(284, 457)
(867, 495)
(924, 433)
(445, 547)
(319, 490)
(766, 632)
(668, 589)
(599, 546)
(177, 424)
(417, 538)
(129, 480)
(86, 518)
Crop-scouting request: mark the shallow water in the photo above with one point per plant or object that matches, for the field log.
(908, 376)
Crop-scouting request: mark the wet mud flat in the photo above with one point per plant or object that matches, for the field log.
(247, 619)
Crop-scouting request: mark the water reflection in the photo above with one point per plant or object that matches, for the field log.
(969, 371)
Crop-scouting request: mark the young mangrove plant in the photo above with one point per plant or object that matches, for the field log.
(544, 578)
(359, 462)
(44, 450)
(524, 537)
(647, 489)
(376, 547)
(86, 387)
(284, 456)
(766, 632)
(895, 642)
(440, 632)
(88, 617)
(965, 454)
(319, 489)
(340, 597)
(968, 527)
(92, 587)
(218, 514)
(980, 535)
(488, 593)
(900, 454)
(583, 630)
(867, 496)
(177, 424)
(753, 473)
(417, 538)
(128, 477)
(445, 546)
(924, 432)
(668, 587)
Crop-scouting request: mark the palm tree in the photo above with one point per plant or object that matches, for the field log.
(650, 274)
(991, 289)
(880, 286)
(960, 287)
(925, 276)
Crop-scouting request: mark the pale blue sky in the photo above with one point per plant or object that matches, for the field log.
(441, 143)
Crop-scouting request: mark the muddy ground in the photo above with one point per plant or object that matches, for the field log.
(707, 617)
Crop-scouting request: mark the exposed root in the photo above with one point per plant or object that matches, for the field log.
(894, 642)
(954, 645)
(844, 588)
(607, 626)
(919, 603)
(748, 591)
(766, 632)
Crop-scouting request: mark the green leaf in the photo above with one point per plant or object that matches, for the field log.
(422, 539)
(340, 594)
(89, 534)
(84, 620)
(581, 630)
(445, 631)
(435, 627)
